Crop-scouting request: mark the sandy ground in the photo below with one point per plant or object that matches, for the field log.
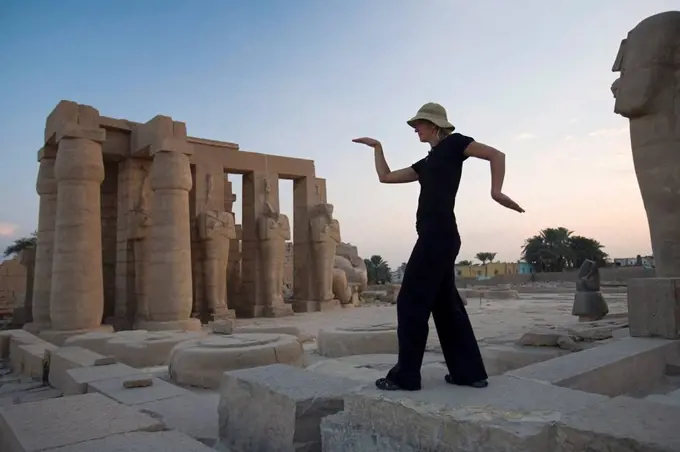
(494, 321)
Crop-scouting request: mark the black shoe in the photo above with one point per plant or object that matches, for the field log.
(387, 385)
(479, 384)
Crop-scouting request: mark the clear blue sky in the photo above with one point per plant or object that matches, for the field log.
(302, 78)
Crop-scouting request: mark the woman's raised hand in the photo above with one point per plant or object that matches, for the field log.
(371, 142)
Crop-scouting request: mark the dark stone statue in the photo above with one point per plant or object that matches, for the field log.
(589, 304)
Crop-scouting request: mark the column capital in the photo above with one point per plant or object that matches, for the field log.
(160, 134)
(72, 120)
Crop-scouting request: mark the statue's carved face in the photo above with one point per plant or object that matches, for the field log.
(649, 53)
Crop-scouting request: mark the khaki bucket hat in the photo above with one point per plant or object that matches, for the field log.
(434, 113)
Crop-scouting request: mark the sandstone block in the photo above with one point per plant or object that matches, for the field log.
(105, 361)
(203, 361)
(137, 383)
(277, 407)
(654, 307)
(80, 377)
(169, 441)
(48, 424)
(511, 414)
(194, 414)
(20, 337)
(32, 358)
(360, 340)
(599, 370)
(224, 326)
(115, 389)
(620, 424)
(65, 358)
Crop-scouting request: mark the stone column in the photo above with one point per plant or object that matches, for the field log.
(46, 187)
(77, 286)
(169, 271)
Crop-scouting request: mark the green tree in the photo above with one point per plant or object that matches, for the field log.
(464, 262)
(21, 244)
(378, 270)
(484, 257)
(557, 249)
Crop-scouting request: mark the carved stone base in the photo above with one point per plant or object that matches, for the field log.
(57, 337)
(35, 328)
(283, 310)
(181, 325)
(315, 306)
(654, 307)
(591, 305)
(249, 312)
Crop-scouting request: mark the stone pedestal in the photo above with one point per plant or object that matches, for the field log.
(654, 307)
(77, 286)
(46, 187)
(589, 306)
(169, 271)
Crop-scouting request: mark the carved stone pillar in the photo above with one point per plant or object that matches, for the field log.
(216, 230)
(169, 271)
(77, 289)
(325, 236)
(46, 187)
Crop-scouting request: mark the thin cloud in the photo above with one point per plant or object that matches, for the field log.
(609, 132)
(525, 136)
(574, 121)
(7, 229)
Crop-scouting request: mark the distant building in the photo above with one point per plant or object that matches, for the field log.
(638, 261)
(492, 269)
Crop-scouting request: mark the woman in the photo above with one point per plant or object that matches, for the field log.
(428, 286)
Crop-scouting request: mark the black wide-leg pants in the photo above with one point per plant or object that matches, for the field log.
(428, 288)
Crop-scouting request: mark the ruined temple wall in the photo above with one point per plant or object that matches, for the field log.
(109, 216)
(12, 283)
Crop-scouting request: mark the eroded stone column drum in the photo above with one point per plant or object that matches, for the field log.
(169, 271)
(77, 287)
(46, 187)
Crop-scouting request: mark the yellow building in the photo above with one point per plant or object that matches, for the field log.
(488, 270)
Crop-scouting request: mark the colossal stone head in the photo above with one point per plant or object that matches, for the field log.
(649, 61)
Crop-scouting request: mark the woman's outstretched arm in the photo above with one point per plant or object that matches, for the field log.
(401, 176)
(496, 161)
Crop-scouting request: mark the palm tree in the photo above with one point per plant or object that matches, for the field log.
(484, 257)
(465, 263)
(377, 269)
(21, 244)
(556, 249)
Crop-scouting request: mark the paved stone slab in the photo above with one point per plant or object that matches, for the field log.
(66, 358)
(40, 426)
(599, 370)
(139, 442)
(82, 376)
(511, 414)
(30, 358)
(277, 407)
(193, 414)
(29, 395)
(621, 424)
(113, 388)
